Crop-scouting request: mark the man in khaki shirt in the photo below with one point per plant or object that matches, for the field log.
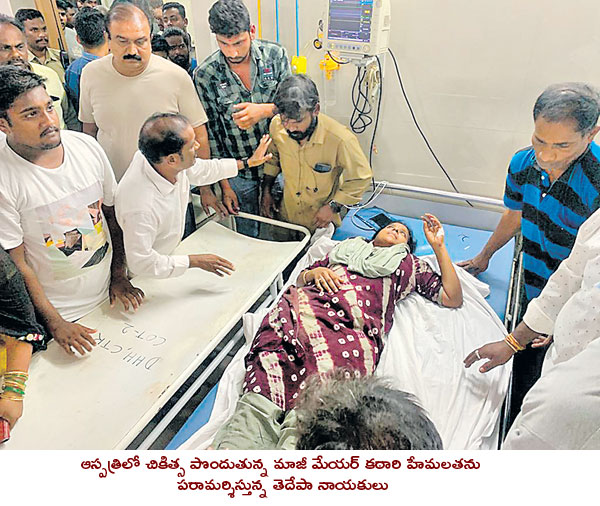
(123, 89)
(322, 163)
(13, 51)
(36, 33)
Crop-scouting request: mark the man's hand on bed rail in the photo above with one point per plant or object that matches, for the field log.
(498, 353)
(323, 278)
(212, 263)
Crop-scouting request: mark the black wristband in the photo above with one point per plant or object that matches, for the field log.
(335, 207)
(245, 162)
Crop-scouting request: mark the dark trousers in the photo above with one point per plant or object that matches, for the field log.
(190, 221)
(527, 368)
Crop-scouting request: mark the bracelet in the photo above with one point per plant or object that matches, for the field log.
(514, 350)
(304, 276)
(513, 343)
(11, 398)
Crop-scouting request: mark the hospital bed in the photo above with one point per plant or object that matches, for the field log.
(105, 399)
(430, 367)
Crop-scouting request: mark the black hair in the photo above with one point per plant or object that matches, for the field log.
(123, 9)
(229, 18)
(7, 20)
(174, 30)
(90, 25)
(14, 82)
(160, 136)
(296, 95)
(159, 43)
(411, 241)
(175, 5)
(23, 15)
(61, 4)
(345, 412)
(578, 102)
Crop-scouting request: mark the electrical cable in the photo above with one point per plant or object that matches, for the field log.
(360, 119)
(337, 61)
(419, 127)
(376, 119)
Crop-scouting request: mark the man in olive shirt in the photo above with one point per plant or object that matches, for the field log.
(323, 165)
(36, 33)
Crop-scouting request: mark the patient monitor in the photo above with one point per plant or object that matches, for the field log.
(357, 28)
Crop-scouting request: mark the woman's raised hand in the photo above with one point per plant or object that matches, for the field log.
(434, 232)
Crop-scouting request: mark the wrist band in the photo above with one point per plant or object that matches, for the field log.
(13, 385)
(513, 344)
(304, 276)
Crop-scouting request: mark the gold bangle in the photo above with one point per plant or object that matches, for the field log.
(304, 275)
(11, 398)
(510, 338)
(514, 350)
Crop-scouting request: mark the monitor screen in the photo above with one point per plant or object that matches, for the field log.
(350, 20)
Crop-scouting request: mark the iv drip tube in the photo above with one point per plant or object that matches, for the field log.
(277, 20)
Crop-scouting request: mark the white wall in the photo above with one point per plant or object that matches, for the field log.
(472, 70)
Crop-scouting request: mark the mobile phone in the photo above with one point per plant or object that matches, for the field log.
(381, 220)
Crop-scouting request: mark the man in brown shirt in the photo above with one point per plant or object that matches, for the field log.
(323, 165)
(36, 33)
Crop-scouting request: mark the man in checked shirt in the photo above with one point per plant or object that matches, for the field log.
(237, 85)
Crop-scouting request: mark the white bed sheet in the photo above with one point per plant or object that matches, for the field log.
(423, 355)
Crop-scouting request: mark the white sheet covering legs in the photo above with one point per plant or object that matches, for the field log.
(423, 355)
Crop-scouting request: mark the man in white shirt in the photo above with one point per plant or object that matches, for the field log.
(56, 212)
(121, 90)
(152, 197)
(562, 410)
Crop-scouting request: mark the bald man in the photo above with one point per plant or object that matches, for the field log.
(151, 198)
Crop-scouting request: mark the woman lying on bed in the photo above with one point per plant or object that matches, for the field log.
(335, 316)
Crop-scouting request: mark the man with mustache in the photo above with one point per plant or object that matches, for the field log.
(121, 90)
(552, 187)
(173, 16)
(13, 51)
(323, 165)
(237, 85)
(179, 49)
(52, 185)
(36, 33)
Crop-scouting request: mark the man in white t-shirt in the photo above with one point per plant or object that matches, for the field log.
(120, 91)
(151, 199)
(56, 212)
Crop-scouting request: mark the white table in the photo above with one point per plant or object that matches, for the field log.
(105, 399)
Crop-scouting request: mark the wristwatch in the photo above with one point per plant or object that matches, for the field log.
(245, 162)
(335, 207)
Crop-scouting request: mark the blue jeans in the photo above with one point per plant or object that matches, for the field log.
(248, 194)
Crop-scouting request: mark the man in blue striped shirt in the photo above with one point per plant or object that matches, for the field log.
(552, 187)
